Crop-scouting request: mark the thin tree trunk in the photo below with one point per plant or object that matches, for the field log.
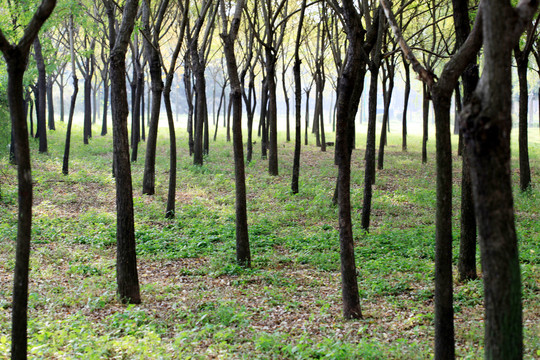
(405, 105)
(50, 104)
(65, 164)
(524, 163)
(425, 122)
(41, 97)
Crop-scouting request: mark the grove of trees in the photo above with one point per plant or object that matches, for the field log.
(133, 56)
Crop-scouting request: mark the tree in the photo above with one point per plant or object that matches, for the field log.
(522, 62)
(351, 82)
(41, 97)
(126, 260)
(151, 46)
(297, 103)
(228, 36)
(441, 93)
(486, 125)
(16, 57)
(171, 197)
(467, 246)
(67, 146)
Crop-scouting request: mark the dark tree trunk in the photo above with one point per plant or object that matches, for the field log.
(263, 120)
(16, 57)
(61, 89)
(444, 311)
(486, 126)
(16, 63)
(425, 121)
(154, 66)
(405, 105)
(272, 112)
(250, 114)
(243, 254)
(350, 86)
(369, 173)
(387, 100)
(87, 108)
(50, 104)
(229, 109)
(189, 98)
(297, 103)
(467, 247)
(171, 197)
(41, 97)
(126, 265)
(307, 117)
(524, 164)
(105, 104)
(65, 164)
(136, 119)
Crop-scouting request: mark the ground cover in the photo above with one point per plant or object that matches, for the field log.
(198, 304)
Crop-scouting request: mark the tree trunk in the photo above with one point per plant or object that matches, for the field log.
(16, 67)
(425, 122)
(524, 164)
(16, 57)
(50, 104)
(444, 311)
(369, 173)
(486, 126)
(405, 105)
(126, 265)
(87, 109)
(272, 112)
(105, 105)
(387, 100)
(41, 97)
(65, 164)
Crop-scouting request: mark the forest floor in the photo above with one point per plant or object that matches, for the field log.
(197, 303)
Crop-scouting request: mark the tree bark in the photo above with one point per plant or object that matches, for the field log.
(126, 262)
(16, 57)
(50, 104)
(524, 163)
(41, 97)
(154, 61)
(406, 95)
(486, 126)
(297, 103)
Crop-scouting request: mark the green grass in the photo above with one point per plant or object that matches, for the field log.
(198, 303)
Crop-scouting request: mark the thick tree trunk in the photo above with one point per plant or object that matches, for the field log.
(126, 265)
(444, 311)
(16, 68)
(486, 126)
(16, 57)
